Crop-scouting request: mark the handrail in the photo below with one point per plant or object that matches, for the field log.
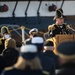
(14, 28)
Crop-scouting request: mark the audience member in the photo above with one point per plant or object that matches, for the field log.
(47, 62)
(10, 53)
(28, 63)
(5, 33)
(48, 51)
(66, 52)
(32, 33)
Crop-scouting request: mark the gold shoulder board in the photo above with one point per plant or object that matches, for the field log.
(50, 27)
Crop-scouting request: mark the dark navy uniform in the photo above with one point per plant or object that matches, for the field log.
(14, 71)
(67, 69)
(2, 40)
(66, 52)
(2, 63)
(59, 29)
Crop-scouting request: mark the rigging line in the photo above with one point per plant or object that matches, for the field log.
(39, 8)
(38, 13)
(26, 29)
(14, 9)
(13, 13)
(62, 3)
(27, 10)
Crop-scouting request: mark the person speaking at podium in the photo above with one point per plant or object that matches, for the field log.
(59, 27)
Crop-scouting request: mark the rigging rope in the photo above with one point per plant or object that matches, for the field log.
(26, 29)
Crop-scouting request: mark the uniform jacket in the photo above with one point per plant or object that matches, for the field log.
(2, 63)
(10, 55)
(51, 54)
(67, 69)
(59, 29)
(14, 71)
(47, 63)
(2, 40)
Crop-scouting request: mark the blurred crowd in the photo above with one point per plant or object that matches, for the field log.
(36, 55)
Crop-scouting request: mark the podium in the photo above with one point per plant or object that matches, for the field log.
(61, 38)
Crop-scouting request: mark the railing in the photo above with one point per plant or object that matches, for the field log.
(15, 28)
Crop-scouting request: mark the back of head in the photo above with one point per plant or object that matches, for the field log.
(10, 43)
(48, 45)
(28, 58)
(66, 50)
(10, 55)
(28, 51)
(38, 41)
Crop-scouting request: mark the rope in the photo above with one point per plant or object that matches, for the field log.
(26, 29)
(15, 29)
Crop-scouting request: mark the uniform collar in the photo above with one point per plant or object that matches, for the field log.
(61, 26)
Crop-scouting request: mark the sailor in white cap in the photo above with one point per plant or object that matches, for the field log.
(47, 62)
(33, 33)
